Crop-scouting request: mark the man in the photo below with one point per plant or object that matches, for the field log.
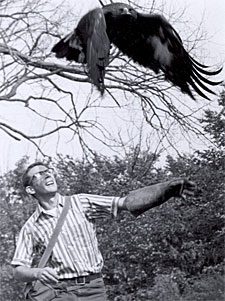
(74, 269)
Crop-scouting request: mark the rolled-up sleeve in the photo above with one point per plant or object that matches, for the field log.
(96, 206)
(24, 249)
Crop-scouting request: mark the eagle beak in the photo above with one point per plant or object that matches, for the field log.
(126, 11)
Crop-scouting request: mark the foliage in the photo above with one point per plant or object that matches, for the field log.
(15, 209)
(207, 288)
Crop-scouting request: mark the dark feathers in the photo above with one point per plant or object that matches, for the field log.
(148, 39)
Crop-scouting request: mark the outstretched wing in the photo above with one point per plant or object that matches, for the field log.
(170, 56)
(88, 43)
(152, 42)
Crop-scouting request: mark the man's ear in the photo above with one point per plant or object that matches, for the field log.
(30, 190)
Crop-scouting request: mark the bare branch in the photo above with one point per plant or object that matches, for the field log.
(33, 78)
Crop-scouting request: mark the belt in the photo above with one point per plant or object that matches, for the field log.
(83, 279)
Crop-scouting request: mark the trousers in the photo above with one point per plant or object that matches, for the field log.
(68, 291)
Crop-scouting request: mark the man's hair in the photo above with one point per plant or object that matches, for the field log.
(25, 178)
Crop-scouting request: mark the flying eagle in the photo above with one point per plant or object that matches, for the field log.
(147, 39)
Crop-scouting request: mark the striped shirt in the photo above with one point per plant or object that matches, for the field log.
(76, 251)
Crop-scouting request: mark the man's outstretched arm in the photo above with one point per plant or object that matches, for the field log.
(140, 200)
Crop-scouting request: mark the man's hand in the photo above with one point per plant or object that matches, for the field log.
(46, 275)
(183, 187)
(26, 274)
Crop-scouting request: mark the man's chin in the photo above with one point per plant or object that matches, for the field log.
(52, 190)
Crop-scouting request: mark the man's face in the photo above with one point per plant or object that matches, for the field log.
(42, 180)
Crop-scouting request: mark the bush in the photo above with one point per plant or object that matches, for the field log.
(207, 288)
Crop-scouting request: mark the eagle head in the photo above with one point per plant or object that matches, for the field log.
(118, 10)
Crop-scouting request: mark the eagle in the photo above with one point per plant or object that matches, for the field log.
(148, 39)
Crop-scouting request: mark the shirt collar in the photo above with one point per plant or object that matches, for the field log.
(40, 210)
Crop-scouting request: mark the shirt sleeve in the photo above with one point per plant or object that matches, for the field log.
(24, 248)
(96, 206)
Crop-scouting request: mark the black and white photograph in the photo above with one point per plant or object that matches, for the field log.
(112, 143)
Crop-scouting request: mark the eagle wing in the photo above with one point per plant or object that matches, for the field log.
(172, 58)
(88, 43)
(150, 40)
(92, 30)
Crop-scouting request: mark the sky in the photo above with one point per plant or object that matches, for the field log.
(208, 13)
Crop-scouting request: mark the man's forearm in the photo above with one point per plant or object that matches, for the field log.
(26, 274)
(46, 274)
(143, 199)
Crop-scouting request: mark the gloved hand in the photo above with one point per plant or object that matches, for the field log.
(181, 187)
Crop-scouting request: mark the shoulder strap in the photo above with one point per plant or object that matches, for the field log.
(55, 233)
